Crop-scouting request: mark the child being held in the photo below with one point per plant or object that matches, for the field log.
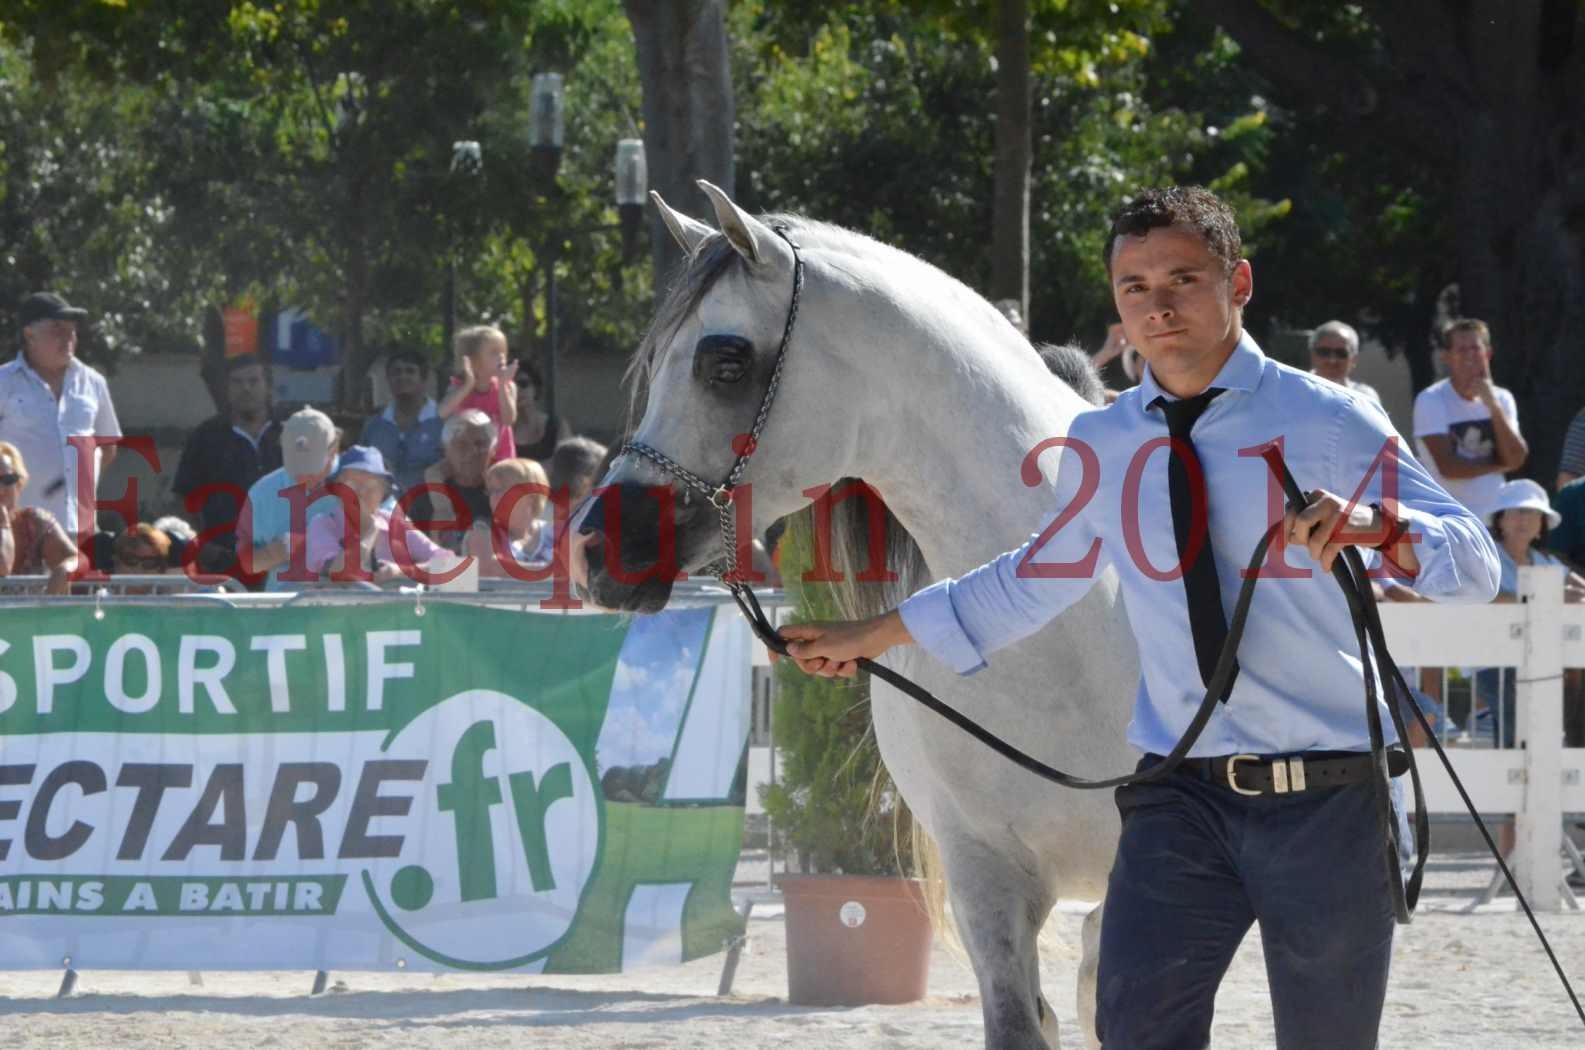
(486, 383)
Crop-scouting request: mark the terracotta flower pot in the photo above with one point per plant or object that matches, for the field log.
(855, 939)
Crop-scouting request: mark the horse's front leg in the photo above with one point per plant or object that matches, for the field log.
(999, 908)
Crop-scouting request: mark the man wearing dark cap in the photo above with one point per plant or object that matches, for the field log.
(48, 396)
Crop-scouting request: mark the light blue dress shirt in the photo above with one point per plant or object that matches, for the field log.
(1300, 685)
(406, 452)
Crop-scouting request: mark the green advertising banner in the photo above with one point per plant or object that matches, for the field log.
(372, 786)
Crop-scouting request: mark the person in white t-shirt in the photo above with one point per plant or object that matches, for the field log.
(1466, 428)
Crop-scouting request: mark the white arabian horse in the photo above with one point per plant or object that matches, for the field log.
(897, 374)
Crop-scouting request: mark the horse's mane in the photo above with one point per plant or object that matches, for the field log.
(850, 518)
(850, 547)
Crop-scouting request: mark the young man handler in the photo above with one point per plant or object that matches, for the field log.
(1270, 819)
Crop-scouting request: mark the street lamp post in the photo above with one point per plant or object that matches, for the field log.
(545, 138)
(467, 159)
(546, 126)
(632, 183)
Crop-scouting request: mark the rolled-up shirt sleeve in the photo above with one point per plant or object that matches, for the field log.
(961, 622)
(1458, 557)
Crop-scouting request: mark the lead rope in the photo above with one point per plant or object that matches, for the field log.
(1349, 572)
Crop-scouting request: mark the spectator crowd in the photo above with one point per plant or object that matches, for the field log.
(277, 501)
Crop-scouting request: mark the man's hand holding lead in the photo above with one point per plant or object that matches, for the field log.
(1324, 529)
(833, 649)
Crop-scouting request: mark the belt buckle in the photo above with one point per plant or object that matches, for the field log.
(1232, 772)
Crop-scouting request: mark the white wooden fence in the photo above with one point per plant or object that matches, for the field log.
(1541, 780)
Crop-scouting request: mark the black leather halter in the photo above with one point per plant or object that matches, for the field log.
(721, 496)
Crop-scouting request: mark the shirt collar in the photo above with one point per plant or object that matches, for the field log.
(1241, 371)
(72, 368)
(428, 412)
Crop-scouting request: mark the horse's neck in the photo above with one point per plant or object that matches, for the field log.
(955, 448)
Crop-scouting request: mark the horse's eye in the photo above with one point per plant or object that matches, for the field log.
(723, 359)
(728, 371)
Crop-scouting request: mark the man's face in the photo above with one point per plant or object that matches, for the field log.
(1330, 358)
(246, 391)
(404, 378)
(317, 478)
(1468, 358)
(469, 453)
(1178, 305)
(51, 344)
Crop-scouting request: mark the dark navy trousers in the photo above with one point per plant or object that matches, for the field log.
(1197, 865)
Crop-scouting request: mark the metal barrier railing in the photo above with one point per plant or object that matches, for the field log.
(123, 583)
(502, 593)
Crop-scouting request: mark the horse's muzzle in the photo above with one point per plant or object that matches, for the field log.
(639, 537)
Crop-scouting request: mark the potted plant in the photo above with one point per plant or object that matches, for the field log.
(858, 930)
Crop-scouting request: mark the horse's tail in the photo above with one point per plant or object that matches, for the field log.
(929, 870)
(852, 525)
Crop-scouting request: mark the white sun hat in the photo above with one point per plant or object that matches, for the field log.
(1523, 494)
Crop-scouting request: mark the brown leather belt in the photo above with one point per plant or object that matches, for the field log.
(1287, 774)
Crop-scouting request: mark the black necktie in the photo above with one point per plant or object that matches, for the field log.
(1206, 619)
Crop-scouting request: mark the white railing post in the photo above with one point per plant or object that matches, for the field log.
(1540, 723)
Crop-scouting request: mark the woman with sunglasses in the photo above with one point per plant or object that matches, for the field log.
(32, 542)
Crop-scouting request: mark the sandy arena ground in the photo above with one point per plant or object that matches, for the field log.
(1459, 981)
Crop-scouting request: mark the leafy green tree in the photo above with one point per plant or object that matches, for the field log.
(1464, 133)
(882, 119)
(300, 151)
(77, 210)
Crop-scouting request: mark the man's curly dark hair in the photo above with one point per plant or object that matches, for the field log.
(1193, 206)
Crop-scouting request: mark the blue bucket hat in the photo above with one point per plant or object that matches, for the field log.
(365, 458)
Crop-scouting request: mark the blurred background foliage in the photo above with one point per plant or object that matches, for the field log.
(159, 158)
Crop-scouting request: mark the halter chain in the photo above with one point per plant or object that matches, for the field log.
(722, 496)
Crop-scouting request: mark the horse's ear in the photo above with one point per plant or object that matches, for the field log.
(689, 233)
(751, 238)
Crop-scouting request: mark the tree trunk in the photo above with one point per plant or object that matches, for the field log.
(684, 66)
(1010, 202)
(355, 358)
